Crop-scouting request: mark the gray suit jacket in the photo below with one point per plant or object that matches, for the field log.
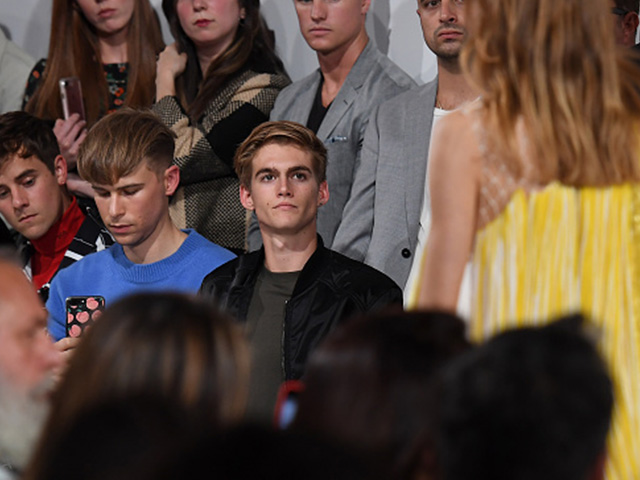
(381, 219)
(373, 79)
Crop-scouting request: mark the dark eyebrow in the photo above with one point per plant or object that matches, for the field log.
(299, 168)
(131, 185)
(124, 187)
(264, 170)
(26, 173)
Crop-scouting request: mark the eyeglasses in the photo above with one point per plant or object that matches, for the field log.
(619, 11)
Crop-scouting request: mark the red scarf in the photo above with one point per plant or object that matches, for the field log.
(51, 247)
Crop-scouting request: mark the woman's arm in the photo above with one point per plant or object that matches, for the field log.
(454, 177)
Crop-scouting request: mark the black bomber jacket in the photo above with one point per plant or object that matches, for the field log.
(330, 289)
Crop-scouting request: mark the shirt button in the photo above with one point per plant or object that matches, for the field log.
(406, 253)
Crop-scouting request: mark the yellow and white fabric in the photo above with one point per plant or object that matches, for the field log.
(558, 250)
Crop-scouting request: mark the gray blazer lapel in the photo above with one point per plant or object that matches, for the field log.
(303, 100)
(348, 92)
(418, 121)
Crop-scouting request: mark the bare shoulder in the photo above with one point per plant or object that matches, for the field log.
(456, 140)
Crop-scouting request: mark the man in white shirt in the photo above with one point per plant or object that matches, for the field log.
(386, 220)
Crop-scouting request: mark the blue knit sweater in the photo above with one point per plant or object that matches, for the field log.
(111, 274)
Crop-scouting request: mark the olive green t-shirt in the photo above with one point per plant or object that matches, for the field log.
(265, 332)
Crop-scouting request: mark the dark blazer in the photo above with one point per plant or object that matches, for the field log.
(330, 289)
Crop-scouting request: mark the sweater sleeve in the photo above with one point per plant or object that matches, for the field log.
(204, 151)
(56, 308)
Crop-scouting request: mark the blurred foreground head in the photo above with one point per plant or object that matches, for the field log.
(530, 403)
(372, 387)
(157, 345)
(27, 363)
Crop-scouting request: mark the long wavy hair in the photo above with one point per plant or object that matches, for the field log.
(74, 51)
(552, 67)
(252, 47)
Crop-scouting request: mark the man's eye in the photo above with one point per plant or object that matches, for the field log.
(129, 192)
(432, 4)
(4, 193)
(267, 178)
(29, 181)
(300, 176)
(102, 194)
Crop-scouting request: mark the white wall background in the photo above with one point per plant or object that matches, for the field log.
(392, 24)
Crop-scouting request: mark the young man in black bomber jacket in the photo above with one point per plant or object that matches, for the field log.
(293, 291)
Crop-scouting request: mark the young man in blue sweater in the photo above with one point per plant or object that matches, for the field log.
(127, 159)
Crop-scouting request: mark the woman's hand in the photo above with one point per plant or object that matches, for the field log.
(70, 134)
(170, 64)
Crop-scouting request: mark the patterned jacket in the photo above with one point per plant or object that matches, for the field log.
(208, 198)
(91, 237)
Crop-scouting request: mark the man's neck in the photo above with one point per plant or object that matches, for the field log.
(162, 243)
(453, 89)
(336, 66)
(288, 253)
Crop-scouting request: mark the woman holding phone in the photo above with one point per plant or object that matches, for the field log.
(213, 86)
(111, 46)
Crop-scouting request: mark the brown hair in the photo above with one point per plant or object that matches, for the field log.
(282, 133)
(252, 47)
(552, 66)
(120, 142)
(168, 346)
(74, 51)
(630, 5)
(372, 386)
(27, 136)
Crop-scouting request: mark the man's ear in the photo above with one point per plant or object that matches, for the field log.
(630, 25)
(60, 170)
(171, 180)
(245, 198)
(323, 193)
(366, 4)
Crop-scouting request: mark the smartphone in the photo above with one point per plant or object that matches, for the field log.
(82, 312)
(71, 94)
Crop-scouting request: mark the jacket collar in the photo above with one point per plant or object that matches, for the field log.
(252, 263)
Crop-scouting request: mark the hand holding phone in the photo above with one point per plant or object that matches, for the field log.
(71, 95)
(82, 311)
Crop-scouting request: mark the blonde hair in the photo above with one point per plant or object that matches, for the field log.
(553, 66)
(282, 133)
(120, 142)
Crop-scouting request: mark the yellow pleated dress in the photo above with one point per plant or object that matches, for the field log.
(557, 250)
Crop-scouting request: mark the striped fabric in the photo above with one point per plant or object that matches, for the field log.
(208, 199)
(560, 250)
